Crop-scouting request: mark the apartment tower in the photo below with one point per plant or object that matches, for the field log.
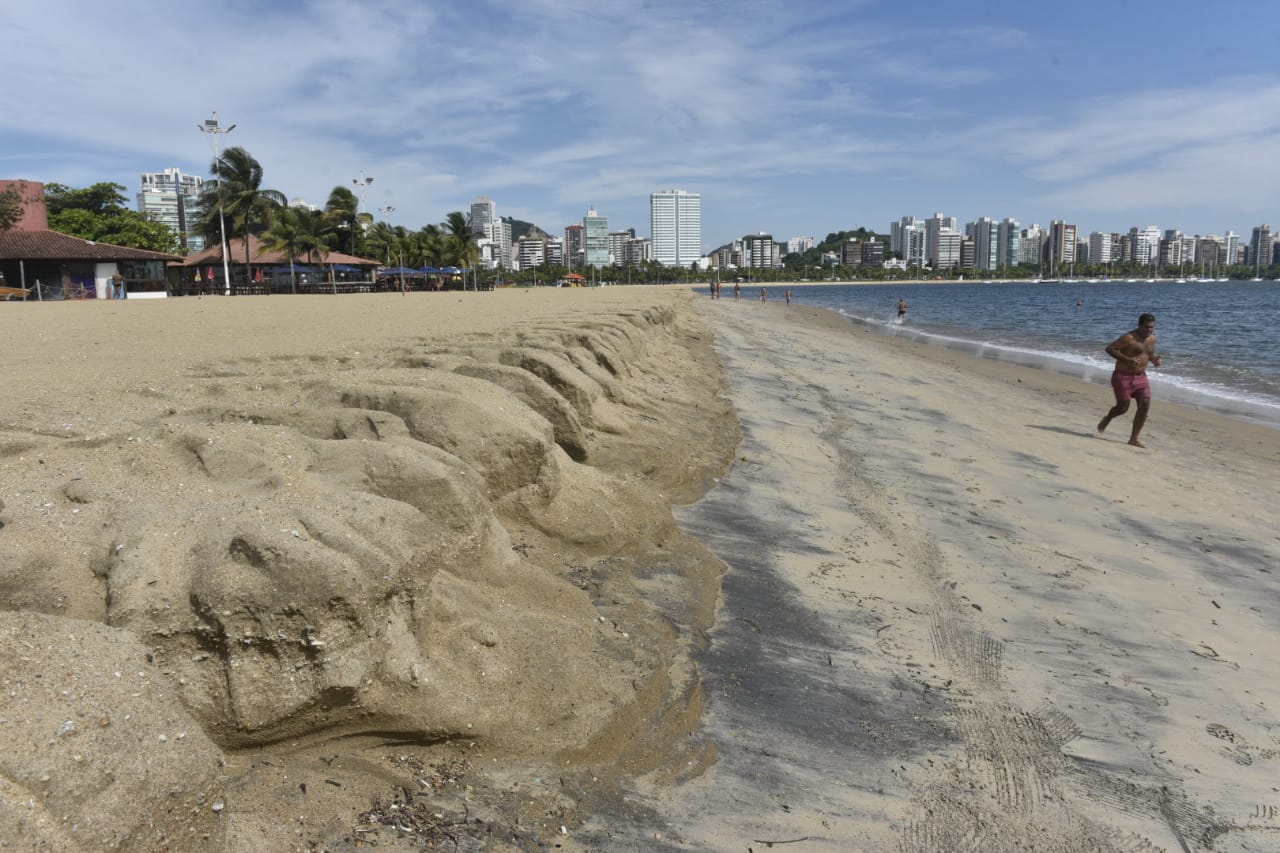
(675, 226)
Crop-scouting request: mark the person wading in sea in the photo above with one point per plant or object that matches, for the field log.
(1133, 351)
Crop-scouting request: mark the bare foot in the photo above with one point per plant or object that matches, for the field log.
(1102, 424)
(1136, 443)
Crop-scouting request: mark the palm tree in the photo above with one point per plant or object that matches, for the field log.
(429, 247)
(379, 241)
(340, 212)
(294, 231)
(235, 191)
(461, 243)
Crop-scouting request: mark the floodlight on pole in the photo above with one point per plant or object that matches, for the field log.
(387, 211)
(213, 130)
(360, 183)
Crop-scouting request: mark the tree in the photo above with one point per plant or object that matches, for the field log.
(460, 243)
(10, 207)
(98, 213)
(295, 231)
(235, 194)
(340, 212)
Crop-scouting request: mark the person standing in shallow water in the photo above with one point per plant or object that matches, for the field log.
(1133, 351)
(902, 308)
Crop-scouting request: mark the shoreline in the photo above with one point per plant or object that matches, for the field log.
(956, 616)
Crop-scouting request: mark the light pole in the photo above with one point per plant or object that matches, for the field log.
(213, 130)
(387, 211)
(360, 183)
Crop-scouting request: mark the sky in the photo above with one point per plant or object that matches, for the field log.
(795, 117)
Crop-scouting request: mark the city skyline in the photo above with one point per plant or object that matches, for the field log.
(809, 121)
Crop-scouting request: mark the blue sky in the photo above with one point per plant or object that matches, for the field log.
(795, 118)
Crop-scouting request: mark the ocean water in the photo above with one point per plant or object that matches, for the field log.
(1219, 341)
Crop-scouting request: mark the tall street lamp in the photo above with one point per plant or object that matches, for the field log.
(360, 183)
(213, 130)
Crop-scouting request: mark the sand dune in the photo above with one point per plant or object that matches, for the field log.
(377, 519)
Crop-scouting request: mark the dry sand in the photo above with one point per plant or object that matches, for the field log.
(319, 573)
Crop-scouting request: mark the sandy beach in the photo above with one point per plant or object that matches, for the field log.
(957, 618)
(614, 569)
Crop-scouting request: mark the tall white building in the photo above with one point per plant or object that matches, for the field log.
(797, 245)
(530, 252)
(675, 226)
(912, 241)
(1100, 244)
(171, 198)
(945, 248)
(1144, 244)
(896, 229)
(933, 226)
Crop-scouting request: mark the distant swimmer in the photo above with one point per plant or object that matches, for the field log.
(902, 308)
(1133, 351)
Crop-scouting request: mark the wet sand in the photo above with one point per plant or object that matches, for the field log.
(955, 617)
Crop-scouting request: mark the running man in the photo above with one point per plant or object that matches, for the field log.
(1133, 351)
(902, 308)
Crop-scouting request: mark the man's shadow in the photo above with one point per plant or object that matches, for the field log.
(1064, 430)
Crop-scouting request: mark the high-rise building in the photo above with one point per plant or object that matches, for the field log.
(172, 199)
(637, 251)
(1231, 250)
(797, 245)
(531, 252)
(760, 251)
(913, 242)
(483, 214)
(946, 248)
(1260, 247)
(574, 245)
(933, 226)
(986, 243)
(851, 253)
(1031, 247)
(872, 253)
(896, 243)
(1144, 244)
(1009, 243)
(555, 251)
(1062, 244)
(617, 245)
(675, 226)
(595, 239)
(1100, 244)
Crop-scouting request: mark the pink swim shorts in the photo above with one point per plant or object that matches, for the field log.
(1130, 385)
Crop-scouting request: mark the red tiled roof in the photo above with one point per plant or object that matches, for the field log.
(235, 255)
(55, 246)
